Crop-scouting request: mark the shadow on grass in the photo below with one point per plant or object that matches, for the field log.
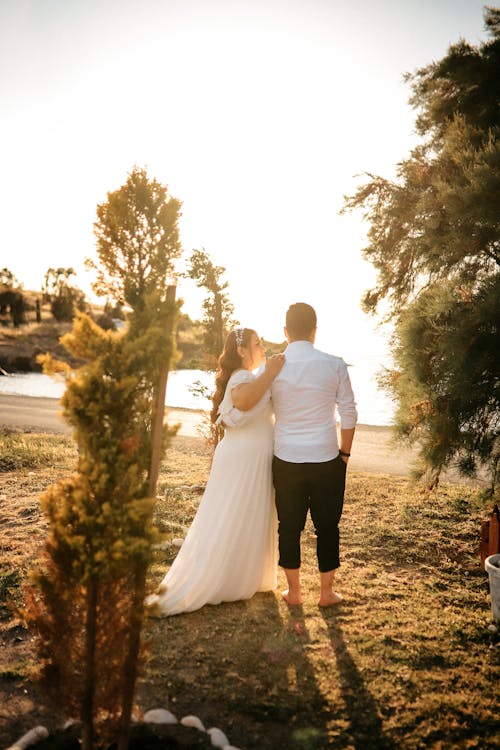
(243, 667)
(361, 708)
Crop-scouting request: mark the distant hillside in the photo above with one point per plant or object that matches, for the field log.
(19, 347)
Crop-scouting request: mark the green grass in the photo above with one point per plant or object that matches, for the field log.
(406, 662)
(21, 451)
(403, 663)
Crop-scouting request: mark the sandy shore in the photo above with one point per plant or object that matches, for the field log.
(373, 450)
(27, 412)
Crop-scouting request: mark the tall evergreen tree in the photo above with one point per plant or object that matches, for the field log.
(217, 307)
(434, 239)
(87, 604)
(137, 240)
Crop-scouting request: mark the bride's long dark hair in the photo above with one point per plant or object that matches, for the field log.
(228, 362)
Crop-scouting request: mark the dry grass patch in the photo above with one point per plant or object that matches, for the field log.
(406, 662)
(26, 450)
(401, 664)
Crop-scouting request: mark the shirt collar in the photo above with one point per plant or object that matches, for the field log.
(298, 347)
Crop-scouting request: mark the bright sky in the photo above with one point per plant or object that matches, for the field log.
(257, 114)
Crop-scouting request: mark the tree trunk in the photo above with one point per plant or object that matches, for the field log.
(137, 614)
(87, 708)
(130, 663)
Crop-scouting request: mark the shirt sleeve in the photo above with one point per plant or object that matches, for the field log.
(346, 405)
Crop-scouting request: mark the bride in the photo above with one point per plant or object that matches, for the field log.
(230, 550)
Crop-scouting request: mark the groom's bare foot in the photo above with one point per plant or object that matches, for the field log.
(293, 600)
(330, 599)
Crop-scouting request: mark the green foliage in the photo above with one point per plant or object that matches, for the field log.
(464, 82)
(12, 298)
(190, 343)
(105, 322)
(13, 301)
(99, 522)
(217, 307)
(100, 519)
(63, 296)
(87, 597)
(8, 280)
(447, 382)
(440, 218)
(137, 240)
(434, 239)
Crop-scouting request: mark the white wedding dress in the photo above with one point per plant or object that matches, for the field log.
(230, 551)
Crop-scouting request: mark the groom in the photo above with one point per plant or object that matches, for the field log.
(308, 467)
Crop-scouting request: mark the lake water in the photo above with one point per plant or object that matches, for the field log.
(374, 407)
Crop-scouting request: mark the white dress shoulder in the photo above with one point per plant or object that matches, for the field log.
(230, 551)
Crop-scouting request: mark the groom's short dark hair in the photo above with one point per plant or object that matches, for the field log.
(300, 321)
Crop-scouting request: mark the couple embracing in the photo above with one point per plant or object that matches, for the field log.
(278, 460)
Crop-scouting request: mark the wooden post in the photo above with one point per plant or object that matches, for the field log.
(489, 540)
(88, 698)
(159, 403)
(137, 613)
(494, 539)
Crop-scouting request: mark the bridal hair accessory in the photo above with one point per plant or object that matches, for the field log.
(239, 334)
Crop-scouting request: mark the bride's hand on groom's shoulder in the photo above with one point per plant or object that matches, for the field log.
(274, 363)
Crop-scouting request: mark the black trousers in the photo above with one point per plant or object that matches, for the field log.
(315, 487)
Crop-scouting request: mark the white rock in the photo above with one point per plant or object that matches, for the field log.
(177, 542)
(192, 721)
(217, 737)
(70, 723)
(159, 716)
(38, 733)
(151, 600)
(161, 546)
(493, 628)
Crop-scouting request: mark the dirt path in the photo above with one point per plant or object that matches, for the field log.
(44, 414)
(373, 450)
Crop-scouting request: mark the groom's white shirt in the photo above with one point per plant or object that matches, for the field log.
(305, 395)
